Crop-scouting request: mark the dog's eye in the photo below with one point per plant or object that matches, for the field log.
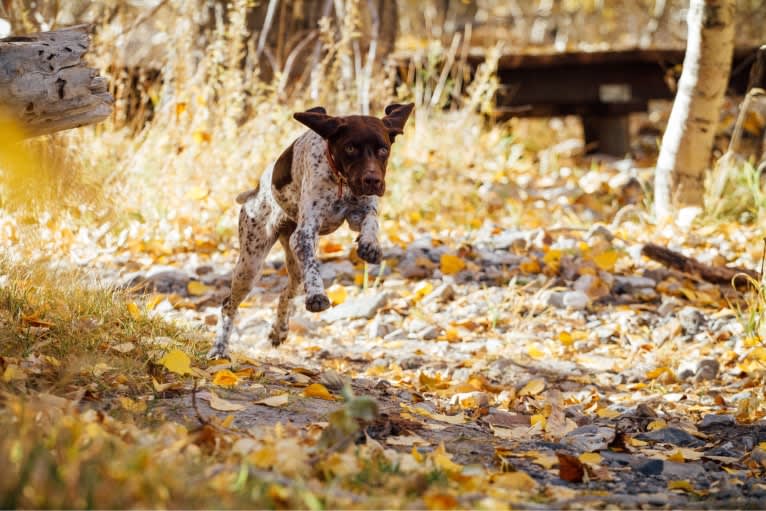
(383, 151)
(349, 149)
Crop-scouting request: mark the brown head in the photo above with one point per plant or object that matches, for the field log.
(359, 144)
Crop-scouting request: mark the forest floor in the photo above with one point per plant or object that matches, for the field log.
(494, 366)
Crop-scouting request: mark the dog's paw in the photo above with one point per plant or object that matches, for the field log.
(370, 252)
(277, 338)
(317, 303)
(217, 351)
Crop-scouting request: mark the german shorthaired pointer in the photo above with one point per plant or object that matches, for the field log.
(333, 172)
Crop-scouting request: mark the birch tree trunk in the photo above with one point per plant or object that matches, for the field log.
(688, 140)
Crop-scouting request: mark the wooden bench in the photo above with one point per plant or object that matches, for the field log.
(602, 87)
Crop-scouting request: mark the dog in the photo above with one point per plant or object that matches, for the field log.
(332, 173)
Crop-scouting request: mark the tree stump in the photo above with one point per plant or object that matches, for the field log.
(45, 85)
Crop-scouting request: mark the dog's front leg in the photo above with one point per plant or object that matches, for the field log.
(303, 242)
(368, 246)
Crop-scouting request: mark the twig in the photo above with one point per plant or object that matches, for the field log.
(763, 259)
(202, 420)
(721, 275)
(270, 10)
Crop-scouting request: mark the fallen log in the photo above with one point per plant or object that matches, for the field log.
(46, 86)
(721, 275)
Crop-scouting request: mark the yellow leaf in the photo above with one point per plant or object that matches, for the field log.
(227, 422)
(635, 442)
(219, 403)
(13, 372)
(176, 361)
(530, 266)
(538, 419)
(533, 387)
(180, 108)
(680, 485)
(676, 456)
(421, 290)
(451, 264)
(552, 258)
(544, 460)
(607, 413)
(132, 406)
(201, 136)
(566, 338)
(337, 294)
(197, 193)
(656, 424)
(196, 288)
(758, 353)
(438, 500)
(535, 352)
(656, 373)
(606, 260)
(416, 454)
(593, 458)
(319, 391)
(520, 481)
(275, 401)
(442, 460)
(134, 311)
(225, 378)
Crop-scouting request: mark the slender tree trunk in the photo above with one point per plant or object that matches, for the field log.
(688, 140)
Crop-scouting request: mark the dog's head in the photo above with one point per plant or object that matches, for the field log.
(359, 144)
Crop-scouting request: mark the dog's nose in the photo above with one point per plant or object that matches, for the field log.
(372, 182)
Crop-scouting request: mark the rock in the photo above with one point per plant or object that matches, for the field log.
(415, 265)
(592, 286)
(632, 283)
(671, 435)
(411, 363)
(444, 293)
(691, 320)
(711, 420)
(159, 279)
(688, 471)
(650, 467)
(428, 333)
(511, 239)
(364, 306)
(589, 438)
(707, 369)
(576, 300)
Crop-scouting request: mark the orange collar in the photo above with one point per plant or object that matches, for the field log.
(335, 169)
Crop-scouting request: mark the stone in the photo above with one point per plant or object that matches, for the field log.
(711, 420)
(428, 333)
(707, 370)
(671, 435)
(691, 320)
(592, 286)
(650, 467)
(687, 471)
(576, 300)
(632, 283)
(589, 438)
(364, 306)
(443, 293)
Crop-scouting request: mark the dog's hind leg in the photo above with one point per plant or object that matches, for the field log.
(281, 326)
(256, 237)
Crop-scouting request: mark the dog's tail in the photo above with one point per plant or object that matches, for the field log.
(244, 196)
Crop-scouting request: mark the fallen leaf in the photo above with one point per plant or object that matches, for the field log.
(13, 372)
(131, 405)
(337, 294)
(440, 501)
(124, 347)
(134, 311)
(520, 481)
(571, 469)
(606, 260)
(225, 378)
(196, 288)
(592, 458)
(680, 485)
(275, 401)
(533, 387)
(319, 391)
(451, 264)
(442, 459)
(176, 361)
(221, 404)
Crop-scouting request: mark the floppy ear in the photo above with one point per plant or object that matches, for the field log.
(318, 120)
(396, 117)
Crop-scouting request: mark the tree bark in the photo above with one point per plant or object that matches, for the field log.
(688, 140)
(46, 86)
